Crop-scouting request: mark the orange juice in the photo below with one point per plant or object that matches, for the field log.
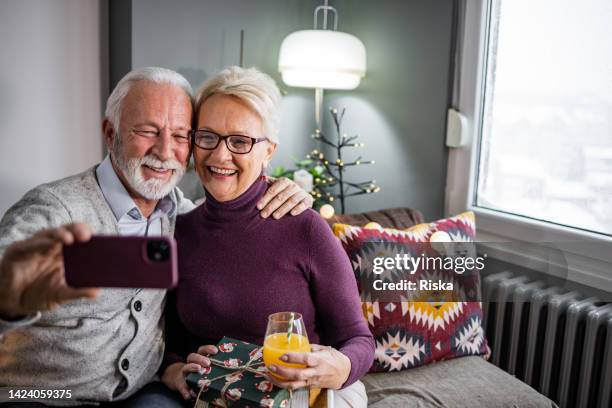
(277, 344)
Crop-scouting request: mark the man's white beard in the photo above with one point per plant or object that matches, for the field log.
(151, 189)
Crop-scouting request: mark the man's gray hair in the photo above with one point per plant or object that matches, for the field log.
(254, 88)
(151, 74)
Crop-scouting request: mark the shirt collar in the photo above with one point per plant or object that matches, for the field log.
(119, 199)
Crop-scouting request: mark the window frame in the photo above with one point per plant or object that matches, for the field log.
(591, 264)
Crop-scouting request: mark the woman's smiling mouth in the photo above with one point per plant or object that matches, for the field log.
(218, 171)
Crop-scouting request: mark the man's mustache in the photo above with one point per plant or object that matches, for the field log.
(152, 161)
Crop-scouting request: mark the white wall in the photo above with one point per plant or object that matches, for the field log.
(52, 83)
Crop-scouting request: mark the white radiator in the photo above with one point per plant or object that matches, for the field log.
(555, 340)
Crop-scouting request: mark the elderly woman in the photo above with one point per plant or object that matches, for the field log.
(236, 268)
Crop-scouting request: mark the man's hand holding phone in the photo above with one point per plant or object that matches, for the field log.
(32, 272)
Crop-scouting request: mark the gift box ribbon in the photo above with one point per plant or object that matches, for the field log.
(248, 366)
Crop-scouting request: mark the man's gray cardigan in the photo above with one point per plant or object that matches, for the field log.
(102, 349)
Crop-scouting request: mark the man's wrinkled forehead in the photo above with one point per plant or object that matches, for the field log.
(164, 102)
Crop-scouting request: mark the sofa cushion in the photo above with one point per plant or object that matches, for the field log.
(432, 325)
(464, 382)
(391, 218)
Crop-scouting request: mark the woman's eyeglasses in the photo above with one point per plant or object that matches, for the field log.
(239, 144)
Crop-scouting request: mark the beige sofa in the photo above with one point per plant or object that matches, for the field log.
(462, 382)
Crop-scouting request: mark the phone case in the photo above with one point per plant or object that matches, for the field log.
(122, 262)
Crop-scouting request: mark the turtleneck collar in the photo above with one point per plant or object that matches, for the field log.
(239, 208)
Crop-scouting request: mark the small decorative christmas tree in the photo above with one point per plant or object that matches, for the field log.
(329, 178)
(332, 183)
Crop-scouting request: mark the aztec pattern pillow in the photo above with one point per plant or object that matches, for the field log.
(413, 333)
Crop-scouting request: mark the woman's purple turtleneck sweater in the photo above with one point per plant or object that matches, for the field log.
(236, 268)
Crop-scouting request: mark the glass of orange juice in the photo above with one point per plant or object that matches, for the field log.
(285, 333)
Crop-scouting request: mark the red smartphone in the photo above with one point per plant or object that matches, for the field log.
(122, 262)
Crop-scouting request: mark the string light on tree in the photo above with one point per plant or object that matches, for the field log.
(329, 181)
(333, 182)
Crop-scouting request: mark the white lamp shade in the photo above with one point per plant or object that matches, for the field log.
(322, 59)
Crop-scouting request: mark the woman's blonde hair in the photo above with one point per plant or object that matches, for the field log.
(251, 86)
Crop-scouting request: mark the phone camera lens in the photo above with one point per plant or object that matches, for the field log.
(158, 251)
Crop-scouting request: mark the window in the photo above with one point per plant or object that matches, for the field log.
(546, 143)
(534, 80)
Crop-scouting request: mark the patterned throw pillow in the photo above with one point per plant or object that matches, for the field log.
(413, 333)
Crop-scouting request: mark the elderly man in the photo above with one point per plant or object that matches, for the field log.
(102, 346)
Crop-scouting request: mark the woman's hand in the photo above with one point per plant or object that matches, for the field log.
(175, 374)
(326, 367)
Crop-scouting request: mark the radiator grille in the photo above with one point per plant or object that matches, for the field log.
(555, 340)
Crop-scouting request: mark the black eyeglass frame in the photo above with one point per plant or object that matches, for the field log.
(254, 140)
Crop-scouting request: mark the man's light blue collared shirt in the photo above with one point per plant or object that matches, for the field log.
(130, 220)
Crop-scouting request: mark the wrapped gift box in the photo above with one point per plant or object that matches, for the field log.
(235, 379)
